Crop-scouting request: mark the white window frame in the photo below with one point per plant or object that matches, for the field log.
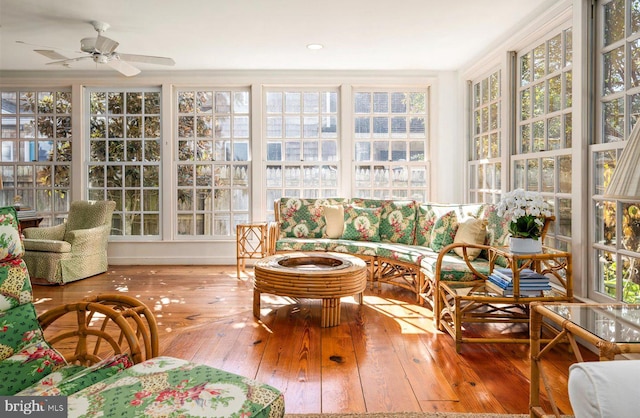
(39, 185)
(311, 178)
(103, 191)
(229, 192)
(370, 175)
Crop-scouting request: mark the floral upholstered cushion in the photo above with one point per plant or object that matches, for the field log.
(428, 214)
(15, 286)
(10, 244)
(166, 386)
(70, 379)
(453, 268)
(353, 247)
(497, 230)
(19, 327)
(304, 218)
(397, 219)
(497, 227)
(302, 244)
(444, 231)
(402, 252)
(27, 366)
(361, 224)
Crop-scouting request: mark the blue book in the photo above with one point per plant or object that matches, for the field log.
(498, 281)
(525, 274)
(509, 292)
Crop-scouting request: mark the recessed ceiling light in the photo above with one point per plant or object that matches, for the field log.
(315, 46)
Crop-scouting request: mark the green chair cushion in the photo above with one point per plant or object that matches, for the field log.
(172, 387)
(70, 379)
(48, 246)
(10, 244)
(28, 366)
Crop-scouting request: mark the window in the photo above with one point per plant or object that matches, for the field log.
(616, 247)
(542, 155)
(124, 157)
(390, 143)
(485, 166)
(213, 161)
(36, 151)
(302, 140)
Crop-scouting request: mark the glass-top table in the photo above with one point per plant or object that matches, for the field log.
(612, 328)
(615, 323)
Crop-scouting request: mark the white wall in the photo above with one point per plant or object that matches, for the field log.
(448, 143)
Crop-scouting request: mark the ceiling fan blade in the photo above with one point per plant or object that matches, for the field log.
(50, 54)
(43, 47)
(149, 59)
(123, 67)
(105, 45)
(68, 60)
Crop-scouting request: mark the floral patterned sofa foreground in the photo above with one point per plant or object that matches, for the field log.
(405, 243)
(102, 354)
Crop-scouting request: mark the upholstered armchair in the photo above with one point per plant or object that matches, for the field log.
(73, 250)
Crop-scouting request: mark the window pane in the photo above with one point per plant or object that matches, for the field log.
(215, 180)
(36, 128)
(613, 71)
(309, 138)
(390, 126)
(613, 21)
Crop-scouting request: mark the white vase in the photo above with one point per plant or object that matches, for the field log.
(525, 245)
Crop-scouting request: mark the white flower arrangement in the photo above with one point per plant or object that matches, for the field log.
(526, 212)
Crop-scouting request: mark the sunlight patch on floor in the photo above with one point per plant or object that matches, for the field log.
(41, 300)
(412, 319)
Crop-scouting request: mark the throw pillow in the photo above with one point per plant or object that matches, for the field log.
(397, 219)
(11, 245)
(426, 219)
(361, 224)
(471, 231)
(334, 217)
(303, 218)
(444, 231)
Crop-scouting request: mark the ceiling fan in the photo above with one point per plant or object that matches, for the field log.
(102, 50)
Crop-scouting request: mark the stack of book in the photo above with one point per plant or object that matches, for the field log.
(531, 283)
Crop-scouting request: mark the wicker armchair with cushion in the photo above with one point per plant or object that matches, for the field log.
(101, 354)
(73, 250)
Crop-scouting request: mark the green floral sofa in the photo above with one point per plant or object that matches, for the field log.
(405, 243)
(111, 368)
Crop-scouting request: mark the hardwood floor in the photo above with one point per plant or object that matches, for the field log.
(384, 356)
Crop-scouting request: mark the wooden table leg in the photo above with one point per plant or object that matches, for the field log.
(359, 298)
(330, 312)
(534, 339)
(256, 303)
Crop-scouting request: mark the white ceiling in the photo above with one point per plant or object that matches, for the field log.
(265, 34)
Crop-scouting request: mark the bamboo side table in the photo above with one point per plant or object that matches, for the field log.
(251, 243)
(480, 304)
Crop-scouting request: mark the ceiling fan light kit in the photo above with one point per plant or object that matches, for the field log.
(102, 50)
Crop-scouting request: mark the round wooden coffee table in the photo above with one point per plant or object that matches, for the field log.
(326, 276)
